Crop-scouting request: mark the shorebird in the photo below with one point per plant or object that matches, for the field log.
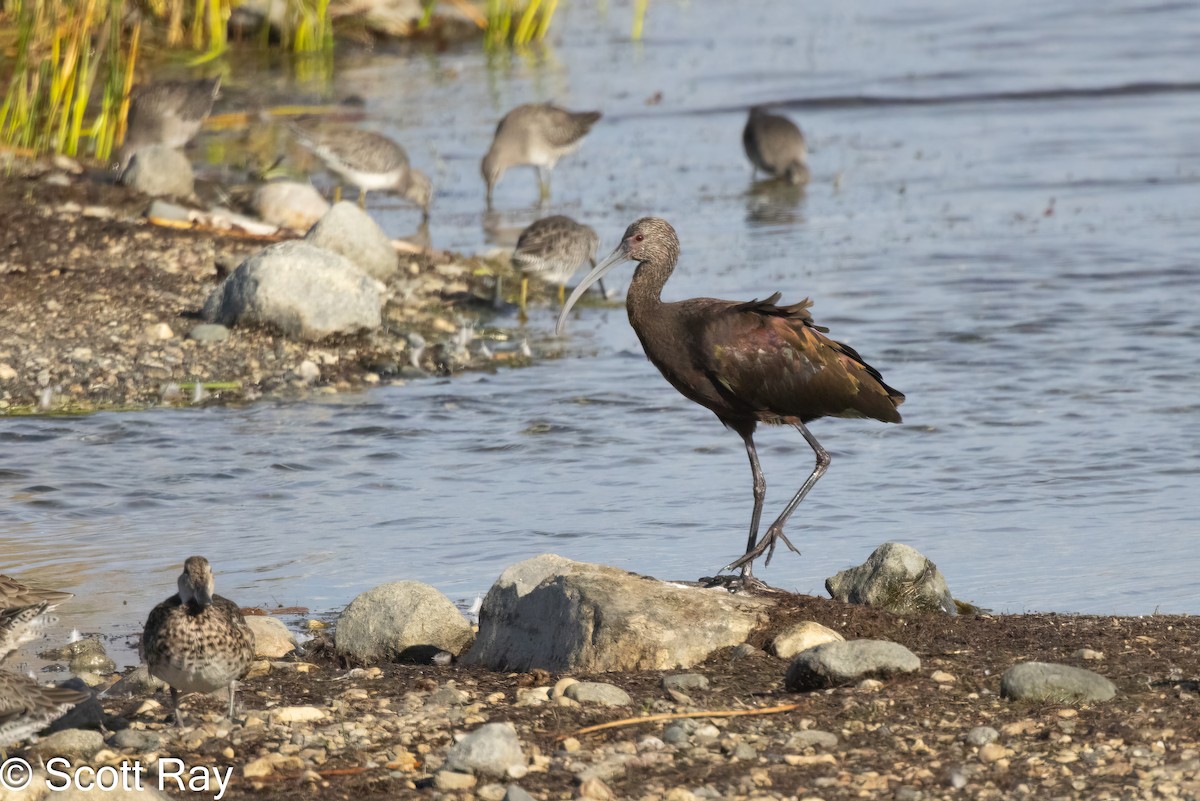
(551, 250)
(27, 707)
(538, 135)
(196, 641)
(24, 613)
(167, 113)
(367, 160)
(775, 145)
(747, 362)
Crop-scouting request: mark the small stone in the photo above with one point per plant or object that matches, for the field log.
(942, 677)
(491, 749)
(801, 637)
(745, 650)
(447, 696)
(272, 639)
(675, 734)
(571, 745)
(296, 714)
(993, 752)
(744, 752)
(596, 692)
(157, 332)
(136, 740)
(982, 735)
(956, 777)
(7, 373)
(208, 332)
(515, 793)
(812, 738)
(258, 768)
(491, 792)
(685, 681)
(706, 732)
(73, 744)
(595, 789)
(837, 663)
(453, 780)
(308, 372)
(1089, 655)
(650, 743)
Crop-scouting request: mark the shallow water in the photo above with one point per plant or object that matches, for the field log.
(1002, 220)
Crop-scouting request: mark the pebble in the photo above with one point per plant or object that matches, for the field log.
(157, 332)
(453, 780)
(675, 734)
(685, 681)
(596, 692)
(993, 752)
(296, 714)
(982, 735)
(208, 332)
(491, 749)
(516, 793)
(942, 677)
(812, 738)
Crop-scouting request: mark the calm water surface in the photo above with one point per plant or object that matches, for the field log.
(1003, 219)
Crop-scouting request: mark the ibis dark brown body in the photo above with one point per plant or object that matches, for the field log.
(748, 362)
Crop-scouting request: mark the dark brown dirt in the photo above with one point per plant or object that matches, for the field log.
(905, 739)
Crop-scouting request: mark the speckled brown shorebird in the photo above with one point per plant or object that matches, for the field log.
(775, 145)
(538, 135)
(167, 113)
(196, 641)
(27, 707)
(367, 160)
(24, 613)
(552, 250)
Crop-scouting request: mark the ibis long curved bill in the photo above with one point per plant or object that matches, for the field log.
(599, 271)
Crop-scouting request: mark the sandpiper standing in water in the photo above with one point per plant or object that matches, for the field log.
(367, 160)
(775, 145)
(196, 641)
(552, 250)
(536, 134)
(24, 613)
(167, 113)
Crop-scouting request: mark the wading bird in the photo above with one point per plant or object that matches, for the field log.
(167, 113)
(775, 145)
(551, 250)
(369, 161)
(25, 613)
(537, 134)
(748, 363)
(196, 641)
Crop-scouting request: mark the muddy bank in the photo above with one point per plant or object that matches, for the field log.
(99, 309)
(319, 727)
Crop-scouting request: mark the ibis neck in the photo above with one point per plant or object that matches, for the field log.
(645, 291)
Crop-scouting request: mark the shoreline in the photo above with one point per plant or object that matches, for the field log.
(101, 310)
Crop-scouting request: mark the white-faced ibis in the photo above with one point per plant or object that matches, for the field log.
(775, 145)
(167, 113)
(748, 363)
(367, 160)
(537, 134)
(552, 250)
(195, 641)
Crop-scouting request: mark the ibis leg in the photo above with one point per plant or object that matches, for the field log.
(524, 295)
(760, 493)
(232, 697)
(775, 531)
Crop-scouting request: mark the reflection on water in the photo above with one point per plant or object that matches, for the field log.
(1014, 249)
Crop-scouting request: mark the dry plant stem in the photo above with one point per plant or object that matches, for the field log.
(720, 713)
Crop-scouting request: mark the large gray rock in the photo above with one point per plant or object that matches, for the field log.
(1047, 681)
(75, 744)
(290, 204)
(490, 750)
(301, 290)
(598, 692)
(384, 622)
(350, 231)
(837, 663)
(896, 577)
(552, 613)
(160, 171)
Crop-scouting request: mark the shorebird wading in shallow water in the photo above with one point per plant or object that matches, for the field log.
(25, 613)
(537, 135)
(369, 161)
(552, 250)
(195, 641)
(775, 145)
(167, 113)
(748, 363)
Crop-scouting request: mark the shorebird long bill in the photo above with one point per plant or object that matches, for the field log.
(616, 257)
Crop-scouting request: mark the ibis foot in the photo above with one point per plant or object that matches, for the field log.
(767, 545)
